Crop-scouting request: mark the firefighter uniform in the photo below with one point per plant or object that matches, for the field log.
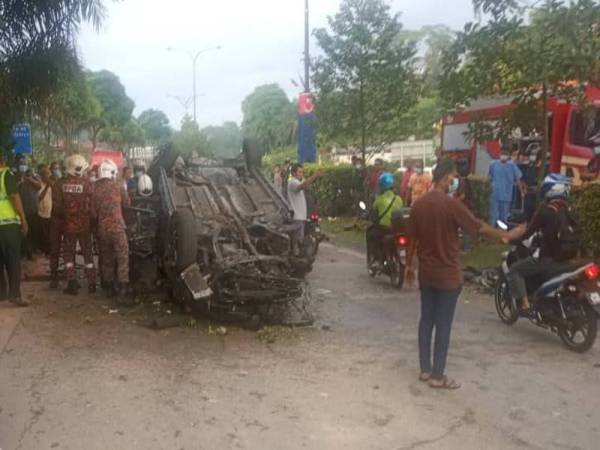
(72, 204)
(107, 201)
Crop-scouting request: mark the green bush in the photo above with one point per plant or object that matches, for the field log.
(334, 189)
(587, 201)
(481, 190)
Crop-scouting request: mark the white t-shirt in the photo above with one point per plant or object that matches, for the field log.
(45, 204)
(296, 199)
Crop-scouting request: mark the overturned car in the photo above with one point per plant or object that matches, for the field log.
(219, 236)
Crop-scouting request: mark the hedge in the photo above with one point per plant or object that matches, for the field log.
(334, 189)
(480, 194)
(587, 200)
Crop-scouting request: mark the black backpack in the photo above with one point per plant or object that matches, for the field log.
(569, 230)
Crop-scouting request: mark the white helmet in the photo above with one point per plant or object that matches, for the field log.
(108, 169)
(76, 165)
(145, 187)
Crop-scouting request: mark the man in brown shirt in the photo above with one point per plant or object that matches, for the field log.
(433, 234)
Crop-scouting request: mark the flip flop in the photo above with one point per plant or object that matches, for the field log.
(447, 383)
(424, 377)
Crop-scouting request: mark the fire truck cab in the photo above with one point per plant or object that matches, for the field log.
(572, 134)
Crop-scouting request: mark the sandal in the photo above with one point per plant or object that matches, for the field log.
(424, 377)
(447, 383)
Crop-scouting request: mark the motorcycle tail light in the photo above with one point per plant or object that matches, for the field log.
(592, 272)
(402, 241)
(314, 217)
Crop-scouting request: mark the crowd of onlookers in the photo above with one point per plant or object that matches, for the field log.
(53, 209)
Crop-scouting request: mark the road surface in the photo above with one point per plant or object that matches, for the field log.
(75, 376)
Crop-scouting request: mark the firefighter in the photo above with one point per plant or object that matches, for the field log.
(72, 204)
(107, 200)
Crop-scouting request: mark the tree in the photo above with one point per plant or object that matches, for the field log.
(365, 79)
(117, 107)
(37, 54)
(269, 116)
(553, 53)
(70, 109)
(156, 125)
(225, 140)
(190, 139)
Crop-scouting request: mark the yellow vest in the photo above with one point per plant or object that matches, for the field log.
(8, 215)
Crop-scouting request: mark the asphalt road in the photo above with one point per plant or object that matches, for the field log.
(75, 376)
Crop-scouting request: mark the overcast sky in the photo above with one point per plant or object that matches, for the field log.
(262, 43)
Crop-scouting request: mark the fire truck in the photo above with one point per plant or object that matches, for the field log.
(572, 134)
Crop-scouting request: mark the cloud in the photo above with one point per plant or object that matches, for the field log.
(262, 43)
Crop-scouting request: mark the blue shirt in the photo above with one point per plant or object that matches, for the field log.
(504, 176)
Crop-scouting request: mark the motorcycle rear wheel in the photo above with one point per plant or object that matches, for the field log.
(397, 274)
(504, 305)
(583, 322)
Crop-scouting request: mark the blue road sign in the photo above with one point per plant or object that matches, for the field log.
(22, 139)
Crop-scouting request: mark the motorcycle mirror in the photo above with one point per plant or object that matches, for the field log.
(502, 225)
(362, 205)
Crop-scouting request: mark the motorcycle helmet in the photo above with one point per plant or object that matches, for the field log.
(386, 182)
(108, 169)
(144, 185)
(556, 186)
(76, 165)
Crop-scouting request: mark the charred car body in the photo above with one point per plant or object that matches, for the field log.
(218, 233)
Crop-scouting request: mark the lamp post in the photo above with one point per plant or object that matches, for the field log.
(194, 58)
(306, 48)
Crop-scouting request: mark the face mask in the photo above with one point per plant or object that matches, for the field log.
(453, 187)
(419, 170)
(596, 150)
(532, 158)
(503, 158)
(139, 174)
(22, 168)
(57, 173)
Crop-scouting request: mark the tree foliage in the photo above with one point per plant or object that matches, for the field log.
(269, 116)
(155, 124)
(37, 55)
(365, 79)
(189, 139)
(224, 141)
(116, 109)
(518, 52)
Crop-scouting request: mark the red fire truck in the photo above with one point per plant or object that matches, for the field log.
(570, 133)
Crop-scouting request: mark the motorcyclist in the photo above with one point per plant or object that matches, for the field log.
(384, 205)
(550, 261)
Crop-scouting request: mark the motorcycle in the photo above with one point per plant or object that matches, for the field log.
(313, 235)
(394, 249)
(568, 304)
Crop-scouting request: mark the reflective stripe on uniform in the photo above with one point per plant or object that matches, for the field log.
(8, 215)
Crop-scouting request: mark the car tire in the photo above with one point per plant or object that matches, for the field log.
(186, 239)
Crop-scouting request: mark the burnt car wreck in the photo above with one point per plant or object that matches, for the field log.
(218, 236)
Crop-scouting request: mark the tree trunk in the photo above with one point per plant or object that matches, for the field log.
(363, 125)
(545, 138)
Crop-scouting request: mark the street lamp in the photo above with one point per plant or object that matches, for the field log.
(194, 58)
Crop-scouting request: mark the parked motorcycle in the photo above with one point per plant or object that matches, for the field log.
(568, 304)
(394, 245)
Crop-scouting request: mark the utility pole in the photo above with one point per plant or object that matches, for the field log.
(306, 48)
(194, 58)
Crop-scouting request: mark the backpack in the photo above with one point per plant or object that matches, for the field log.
(569, 230)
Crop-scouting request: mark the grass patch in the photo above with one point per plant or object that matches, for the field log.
(350, 231)
(345, 230)
(484, 255)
